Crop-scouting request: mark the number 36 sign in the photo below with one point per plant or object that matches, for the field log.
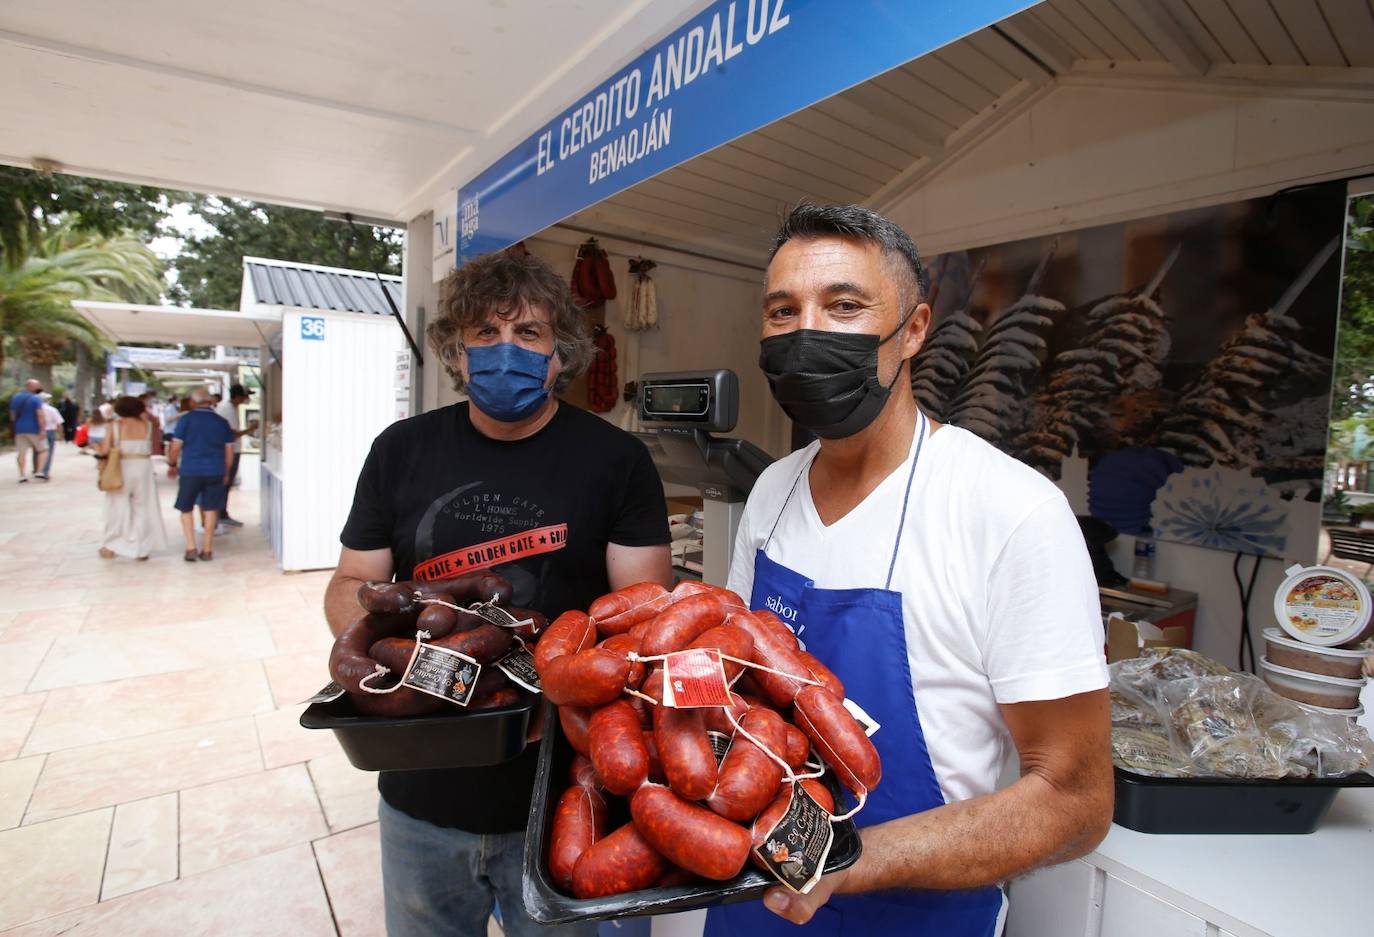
(312, 328)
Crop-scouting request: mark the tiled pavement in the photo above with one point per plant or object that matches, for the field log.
(153, 777)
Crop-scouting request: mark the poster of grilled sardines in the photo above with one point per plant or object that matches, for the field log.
(1176, 369)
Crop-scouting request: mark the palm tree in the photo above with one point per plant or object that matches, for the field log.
(63, 265)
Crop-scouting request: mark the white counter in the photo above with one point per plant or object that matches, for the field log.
(1197, 886)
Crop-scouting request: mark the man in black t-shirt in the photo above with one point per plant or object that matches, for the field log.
(564, 505)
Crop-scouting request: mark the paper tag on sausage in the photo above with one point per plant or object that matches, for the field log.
(796, 849)
(720, 744)
(331, 691)
(695, 678)
(441, 672)
(495, 615)
(865, 721)
(519, 666)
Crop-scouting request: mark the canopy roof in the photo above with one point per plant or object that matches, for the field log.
(132, 324)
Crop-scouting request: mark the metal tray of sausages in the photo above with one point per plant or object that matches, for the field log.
(450, 738)
(548, 905)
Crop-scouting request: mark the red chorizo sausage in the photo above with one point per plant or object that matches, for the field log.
(838, 738)
(645, 710)
(688, 588)
(579, 820)
(798, 746)
(717, 721)
(681, 623)
(685, 751)
(763, 824)
(822, 673)
(772, 652)
(689, 836)
(582, 773)
(731, 600)
(619, 862)
(730, 640)
(619, 611)
(779, 627)
(587, 678)
(570, 632)
(655, 763)
(748, 778)
(616, 744)
(624, 644)
(575, 721)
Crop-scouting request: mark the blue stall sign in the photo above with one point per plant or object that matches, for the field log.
(312, 328)
(737, 66)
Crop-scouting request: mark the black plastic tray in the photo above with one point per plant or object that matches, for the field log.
(444, 739)
(1226, 805)
(548, 905)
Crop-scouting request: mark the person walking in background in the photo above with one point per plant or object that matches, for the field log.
(205, 441)
(52, 422)
(229, 409)
(153, 414)
(26, 419)
(171, 412)
(71, 417)
(96, 427)
(133, 520)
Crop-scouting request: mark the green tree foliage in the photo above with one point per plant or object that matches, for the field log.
(31, 202)
(1354, 378)
(209, 268)
(66, 264)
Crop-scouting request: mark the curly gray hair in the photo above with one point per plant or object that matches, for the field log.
(504, 283)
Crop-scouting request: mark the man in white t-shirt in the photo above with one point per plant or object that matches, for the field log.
(229, 409)
(945, 583)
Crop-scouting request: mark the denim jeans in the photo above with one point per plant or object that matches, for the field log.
(442, 883)
(52, 447)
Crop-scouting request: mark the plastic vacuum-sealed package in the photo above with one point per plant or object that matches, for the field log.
(1176, 713)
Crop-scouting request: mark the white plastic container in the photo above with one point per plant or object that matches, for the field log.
(1313, 689)
(1355, 713)
(1324, 606)
(1283, 651)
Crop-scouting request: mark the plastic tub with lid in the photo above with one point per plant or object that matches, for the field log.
(1324, 606)
(1312, 688)
(1311, 658)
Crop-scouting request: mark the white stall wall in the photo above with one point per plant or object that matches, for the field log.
(337, 395)
(1090, 152)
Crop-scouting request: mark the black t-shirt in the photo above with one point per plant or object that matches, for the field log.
(540, 511)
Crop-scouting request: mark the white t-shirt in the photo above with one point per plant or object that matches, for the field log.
(52, 419)
(998, 594)
(230, 413)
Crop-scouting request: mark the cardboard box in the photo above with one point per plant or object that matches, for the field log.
(1126, 639)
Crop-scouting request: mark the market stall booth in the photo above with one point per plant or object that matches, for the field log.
(335, 374)
(1133, 217)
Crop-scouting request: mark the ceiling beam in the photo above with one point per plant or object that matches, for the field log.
(99, 57)
(1037, 41)
(1150, 17)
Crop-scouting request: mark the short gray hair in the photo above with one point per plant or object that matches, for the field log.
(808, 221)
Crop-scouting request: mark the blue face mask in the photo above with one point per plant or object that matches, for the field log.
(506, 382)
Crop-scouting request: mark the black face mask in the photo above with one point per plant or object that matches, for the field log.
(827, 381)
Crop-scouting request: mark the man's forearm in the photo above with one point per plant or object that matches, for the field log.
(341, 602)
(981, 841)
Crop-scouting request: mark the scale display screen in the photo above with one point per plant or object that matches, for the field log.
(677, 400)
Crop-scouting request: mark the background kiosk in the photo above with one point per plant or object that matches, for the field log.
(681, 410)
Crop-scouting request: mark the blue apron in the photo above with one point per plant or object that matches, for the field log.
(859, 634)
